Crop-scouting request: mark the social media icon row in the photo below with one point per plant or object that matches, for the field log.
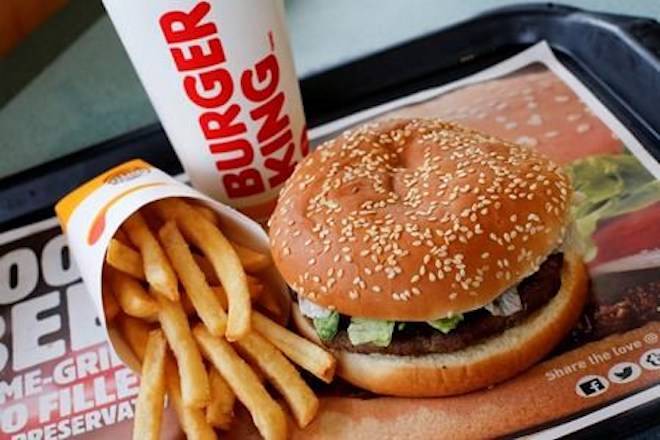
(623, 372)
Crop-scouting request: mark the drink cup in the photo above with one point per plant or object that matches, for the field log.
(220, 75)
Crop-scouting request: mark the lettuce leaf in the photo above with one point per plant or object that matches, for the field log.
(374, 331)
(445, 325)
(608, 185)
(326, 327)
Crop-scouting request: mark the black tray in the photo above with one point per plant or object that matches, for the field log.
(617, 57)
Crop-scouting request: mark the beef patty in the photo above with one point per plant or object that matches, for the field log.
(419, 338)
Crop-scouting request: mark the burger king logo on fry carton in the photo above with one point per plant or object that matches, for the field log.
(126, 175)
(98, 225)
(115, 177)
(92, 214)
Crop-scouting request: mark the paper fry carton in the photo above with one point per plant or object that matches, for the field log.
(91, 214)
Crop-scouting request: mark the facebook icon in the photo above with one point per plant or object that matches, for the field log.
(590, 386)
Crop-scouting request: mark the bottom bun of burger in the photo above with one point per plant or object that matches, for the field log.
(486, 363)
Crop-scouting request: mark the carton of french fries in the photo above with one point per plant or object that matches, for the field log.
(189, 298)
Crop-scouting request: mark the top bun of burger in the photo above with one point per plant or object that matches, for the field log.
(415, 220)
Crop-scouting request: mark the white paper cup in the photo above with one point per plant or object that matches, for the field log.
(221, 78)
(91, 215)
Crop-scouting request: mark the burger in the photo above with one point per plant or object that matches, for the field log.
(431, 259)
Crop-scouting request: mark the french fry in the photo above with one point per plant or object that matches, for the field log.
(283, 375)
(131, 296)
(207, 213)
(124, 258)
(121, 346)
(268, 416)
(256, 287)
(121, 237)
(257, 371)
(186, 303)
(252, 260)
(206, 302)
(254, 284)
(268, 303)
(206, 237)
(221, 408)
(222, 295)
(192, 420)
(157, 268)
(206, 267)
(153, 221)
(308, 355)
(136, 333)
(110, 305)
(194, 380)
(151, 398)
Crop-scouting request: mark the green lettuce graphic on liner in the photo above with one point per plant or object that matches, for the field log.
(374, 331)
(608, 186)
(445, 325)
(326, 327)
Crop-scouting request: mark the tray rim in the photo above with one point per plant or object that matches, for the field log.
(59, 169)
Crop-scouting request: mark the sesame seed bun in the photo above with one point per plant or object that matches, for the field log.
(489, 362)
(417, 219)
